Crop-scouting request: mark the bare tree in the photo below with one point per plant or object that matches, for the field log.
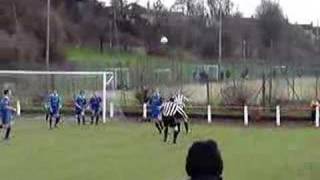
(226, 6)
(271, 21)
(26, 29)
(190, 7)
(118, 7)
(158, 6)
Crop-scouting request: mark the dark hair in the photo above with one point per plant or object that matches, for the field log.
(6, 91)
(204, 159)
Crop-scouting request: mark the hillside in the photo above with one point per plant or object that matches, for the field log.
(135, 31)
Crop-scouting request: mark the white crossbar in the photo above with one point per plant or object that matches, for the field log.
(56, 72)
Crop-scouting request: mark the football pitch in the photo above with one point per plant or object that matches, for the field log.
(125, 151)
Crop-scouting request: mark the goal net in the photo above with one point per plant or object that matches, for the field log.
(31, 88)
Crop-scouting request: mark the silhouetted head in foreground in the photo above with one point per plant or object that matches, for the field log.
(204, 161)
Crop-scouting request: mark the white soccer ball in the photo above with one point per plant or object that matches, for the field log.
(164, 40)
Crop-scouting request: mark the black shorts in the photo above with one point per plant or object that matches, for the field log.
(169, 121)
(95, 112)
(79, 112)
(178, 116)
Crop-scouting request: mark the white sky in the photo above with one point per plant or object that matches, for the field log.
(305, 11)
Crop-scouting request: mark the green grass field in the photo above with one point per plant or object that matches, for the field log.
(126, 151)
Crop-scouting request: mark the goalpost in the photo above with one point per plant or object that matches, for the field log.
(39, 79)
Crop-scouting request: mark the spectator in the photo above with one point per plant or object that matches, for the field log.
(204, 161)
(145, 94)
(203, 77)
(313, 106)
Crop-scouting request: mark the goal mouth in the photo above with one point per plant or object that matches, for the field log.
(30, 88)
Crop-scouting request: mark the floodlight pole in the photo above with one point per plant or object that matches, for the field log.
(49, 79)
(244, 50)
(48, 36)
(220, 41)
(317, 38)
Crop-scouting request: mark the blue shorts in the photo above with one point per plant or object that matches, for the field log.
(155, 114)
(6, 118)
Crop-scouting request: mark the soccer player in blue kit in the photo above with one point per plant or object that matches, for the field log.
(155, 103)
(95, 108)
(80, 104)
(55, 106)
(6, 111)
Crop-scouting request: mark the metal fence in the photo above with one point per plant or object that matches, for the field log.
(237, 84)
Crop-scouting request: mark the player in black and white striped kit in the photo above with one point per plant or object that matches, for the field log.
(180, 99)
(169, 111)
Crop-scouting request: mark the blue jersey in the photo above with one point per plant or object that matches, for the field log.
(155, 106)
(155, 101)
(95, 103)
(80, 103)
(6, 113)
(5, 103)
(54, 102)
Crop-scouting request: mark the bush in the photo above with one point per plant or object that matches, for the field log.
(236, 95)
(142, 95)
(256, 114)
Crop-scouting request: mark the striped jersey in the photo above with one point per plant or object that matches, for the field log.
(170, 109)
(180, 99)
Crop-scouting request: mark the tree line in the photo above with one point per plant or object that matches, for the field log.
(191, 26)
